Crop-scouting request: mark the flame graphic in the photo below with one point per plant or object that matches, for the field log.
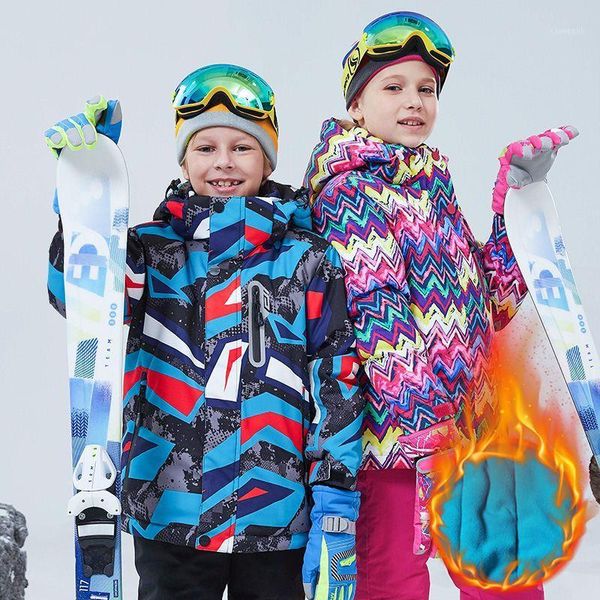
(524, 431)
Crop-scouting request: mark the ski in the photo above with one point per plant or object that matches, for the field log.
(534, 232)
(93, 193)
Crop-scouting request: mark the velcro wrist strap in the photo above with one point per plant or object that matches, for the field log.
(335, 524)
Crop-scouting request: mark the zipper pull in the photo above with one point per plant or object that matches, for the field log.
(259, 320)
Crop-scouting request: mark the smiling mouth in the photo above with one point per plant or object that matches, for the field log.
(225, 184)
(411, 122)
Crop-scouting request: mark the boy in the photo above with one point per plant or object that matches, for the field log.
(240, 375)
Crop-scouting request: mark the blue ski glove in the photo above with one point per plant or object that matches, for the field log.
(329, 569)
(81, 130)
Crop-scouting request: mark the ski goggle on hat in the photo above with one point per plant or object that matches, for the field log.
(225, 95)
(394, 35)
(242, 91)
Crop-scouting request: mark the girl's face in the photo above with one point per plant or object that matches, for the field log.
(222, 161)
(399, 104)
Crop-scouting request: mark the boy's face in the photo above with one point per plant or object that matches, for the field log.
(394, 99)
(222, 161)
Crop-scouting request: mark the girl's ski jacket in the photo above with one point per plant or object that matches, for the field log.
(240, 386)
(424, 296)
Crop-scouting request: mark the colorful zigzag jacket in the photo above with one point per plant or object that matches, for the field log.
(424, 296)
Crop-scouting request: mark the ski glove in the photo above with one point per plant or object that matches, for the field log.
(422, 543)
(529, 160)
(423, 446)
(329, 569)
(81, 130)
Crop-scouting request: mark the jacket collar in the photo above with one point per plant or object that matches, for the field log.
(240, 225)
(344, 147)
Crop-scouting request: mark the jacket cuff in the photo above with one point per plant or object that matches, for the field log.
(331, 501)
(437, 438)
(332, 474)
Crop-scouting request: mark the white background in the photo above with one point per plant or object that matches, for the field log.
(521, 68)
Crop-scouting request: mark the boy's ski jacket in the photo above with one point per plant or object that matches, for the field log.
(240, 386)
(424, 296)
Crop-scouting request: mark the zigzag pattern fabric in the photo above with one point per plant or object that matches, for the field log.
(424, 296)
(241, 372)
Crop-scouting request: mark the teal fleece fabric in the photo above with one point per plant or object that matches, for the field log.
(502, 511)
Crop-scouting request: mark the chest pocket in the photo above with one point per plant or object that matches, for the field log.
(258, 310)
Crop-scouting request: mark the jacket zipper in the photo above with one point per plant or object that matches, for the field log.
(256, 328)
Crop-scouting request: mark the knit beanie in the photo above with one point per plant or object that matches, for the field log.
(369, 68)
(220, 116)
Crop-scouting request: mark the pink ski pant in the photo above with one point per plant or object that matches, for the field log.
(387, 567)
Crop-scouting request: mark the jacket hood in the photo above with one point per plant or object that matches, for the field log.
(250, 221)
(344, 147)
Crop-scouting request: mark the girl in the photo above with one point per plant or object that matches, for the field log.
(242, 408)
(424, 296)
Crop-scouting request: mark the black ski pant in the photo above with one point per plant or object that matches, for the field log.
(170, 572)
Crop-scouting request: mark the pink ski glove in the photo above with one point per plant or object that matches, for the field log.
(529, 160)
(422, 541)
(440, 438)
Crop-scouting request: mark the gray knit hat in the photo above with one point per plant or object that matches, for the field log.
(261, 130)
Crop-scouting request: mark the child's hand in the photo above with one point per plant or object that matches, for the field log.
(329, 567)
(81, 130)
(529, 160)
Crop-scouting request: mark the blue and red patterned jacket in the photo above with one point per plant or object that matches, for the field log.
(240, 386)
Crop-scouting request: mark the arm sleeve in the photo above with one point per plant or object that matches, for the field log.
(504, 281)
(134, 272)
(56, 283)
(333, 444)
(389, 343)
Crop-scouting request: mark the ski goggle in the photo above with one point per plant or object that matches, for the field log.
(240, 90)
(394, 33)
